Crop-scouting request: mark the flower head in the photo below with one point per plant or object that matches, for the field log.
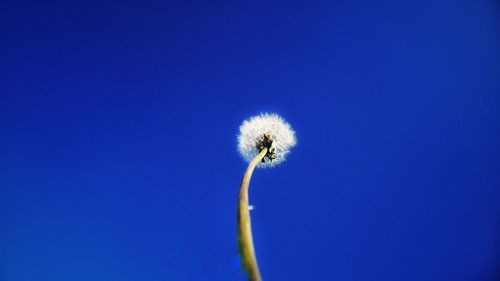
(266, 130)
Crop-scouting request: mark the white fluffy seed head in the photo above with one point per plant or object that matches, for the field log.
(266, 129)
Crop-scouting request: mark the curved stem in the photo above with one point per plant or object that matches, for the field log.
(245, 240)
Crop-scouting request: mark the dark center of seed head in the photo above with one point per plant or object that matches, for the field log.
(266, 142)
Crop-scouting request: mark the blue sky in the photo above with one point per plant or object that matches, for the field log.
(118, 125)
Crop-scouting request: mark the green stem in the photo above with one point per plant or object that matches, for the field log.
(245, 240)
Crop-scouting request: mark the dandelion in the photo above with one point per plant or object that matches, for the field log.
(265, 141)
(267, 130)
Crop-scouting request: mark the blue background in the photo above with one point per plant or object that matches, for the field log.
(118, 124)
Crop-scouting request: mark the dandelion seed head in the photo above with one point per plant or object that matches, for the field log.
(266, 130)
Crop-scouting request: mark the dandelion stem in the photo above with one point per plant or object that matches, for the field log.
(245, 240)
